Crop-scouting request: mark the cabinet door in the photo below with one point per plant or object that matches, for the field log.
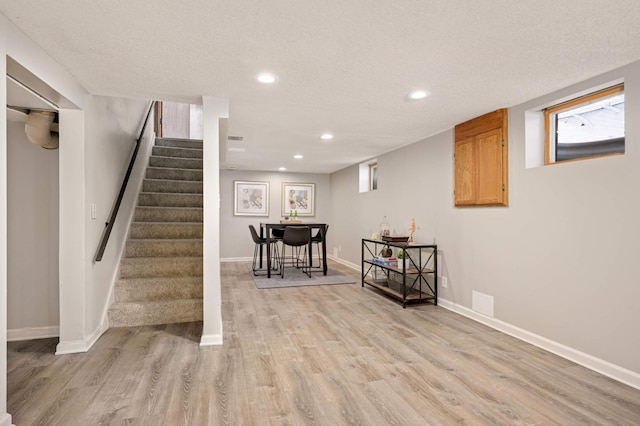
(490, 189)
(481, 161)
(465, 172)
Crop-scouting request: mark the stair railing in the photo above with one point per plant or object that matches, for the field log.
(116, 205)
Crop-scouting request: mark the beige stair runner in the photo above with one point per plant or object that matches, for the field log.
(161, 270)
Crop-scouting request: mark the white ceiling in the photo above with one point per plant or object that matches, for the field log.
(343, 66)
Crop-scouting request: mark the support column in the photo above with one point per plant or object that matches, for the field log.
(72, 233)
(213, 109)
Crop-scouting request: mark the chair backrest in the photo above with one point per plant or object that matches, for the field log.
(254, 235)
(318, 236)
(277, 233)
(296, 235)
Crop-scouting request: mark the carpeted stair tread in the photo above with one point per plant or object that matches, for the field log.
(131, 314)
(171, 186)
(140, 267)
(168, 230)
(168, 214)
(163, 288)
(170, 199)
(164, 248)
(171, 173)
(179, 143)
(176, 152)
(175, 163)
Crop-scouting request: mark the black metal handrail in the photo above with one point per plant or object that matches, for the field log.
(116, 205)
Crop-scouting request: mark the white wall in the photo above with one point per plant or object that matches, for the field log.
(5, 418)
(112, 127)
(559, 261)
(14, 44)
(95, 148)
(236, 242)
(32, 237)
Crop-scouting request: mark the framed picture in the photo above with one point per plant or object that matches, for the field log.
(299, 197)
(250, 198)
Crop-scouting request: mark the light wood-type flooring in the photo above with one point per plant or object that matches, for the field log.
(326, 355)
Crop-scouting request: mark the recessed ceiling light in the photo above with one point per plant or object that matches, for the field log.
(282, 169)
(298, 156)
(417, 95)
(266, 78)
(326, 136)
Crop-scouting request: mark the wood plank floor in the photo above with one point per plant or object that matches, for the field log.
(326, 355)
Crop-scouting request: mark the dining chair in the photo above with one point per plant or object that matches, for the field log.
(262, 242)
(296, 237)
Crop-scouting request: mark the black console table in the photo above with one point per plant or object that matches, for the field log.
(412, 279)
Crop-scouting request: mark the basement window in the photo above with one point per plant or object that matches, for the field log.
(368, 176)
(373, 176)
(590, 126)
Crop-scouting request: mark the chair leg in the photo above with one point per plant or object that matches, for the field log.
(255, 254)
(254, 263)
(275, 256)
(305, 262)
(283, 259)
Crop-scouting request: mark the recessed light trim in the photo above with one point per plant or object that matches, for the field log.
(326, 136)
(298, 156)
(416, 95)
(266, 78)
(282, 169)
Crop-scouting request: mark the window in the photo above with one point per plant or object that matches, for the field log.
(586, 127)
(368, 175)
(373, 176)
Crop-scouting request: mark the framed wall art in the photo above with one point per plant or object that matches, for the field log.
(299, 197)
(250, 198)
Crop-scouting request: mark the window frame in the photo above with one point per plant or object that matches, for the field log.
(550, 140)
(373, 176)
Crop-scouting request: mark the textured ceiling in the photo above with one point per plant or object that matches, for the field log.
(344, 66)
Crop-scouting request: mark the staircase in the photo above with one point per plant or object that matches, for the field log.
(161, 270)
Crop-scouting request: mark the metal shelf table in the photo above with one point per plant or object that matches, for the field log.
(412, 280)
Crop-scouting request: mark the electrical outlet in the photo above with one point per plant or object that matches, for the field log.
(445, 282)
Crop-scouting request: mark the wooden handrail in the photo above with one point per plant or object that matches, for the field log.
(116, 205)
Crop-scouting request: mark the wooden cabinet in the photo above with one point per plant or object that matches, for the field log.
(481, 164)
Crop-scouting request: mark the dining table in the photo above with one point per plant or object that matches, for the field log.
(267, 227)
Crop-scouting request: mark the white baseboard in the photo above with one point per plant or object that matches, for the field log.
(79, 346)
(71, 347)
(211, 340)
(31, 333)
(357, 267)
(236, 259)
(5, 419)
(601, 366)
